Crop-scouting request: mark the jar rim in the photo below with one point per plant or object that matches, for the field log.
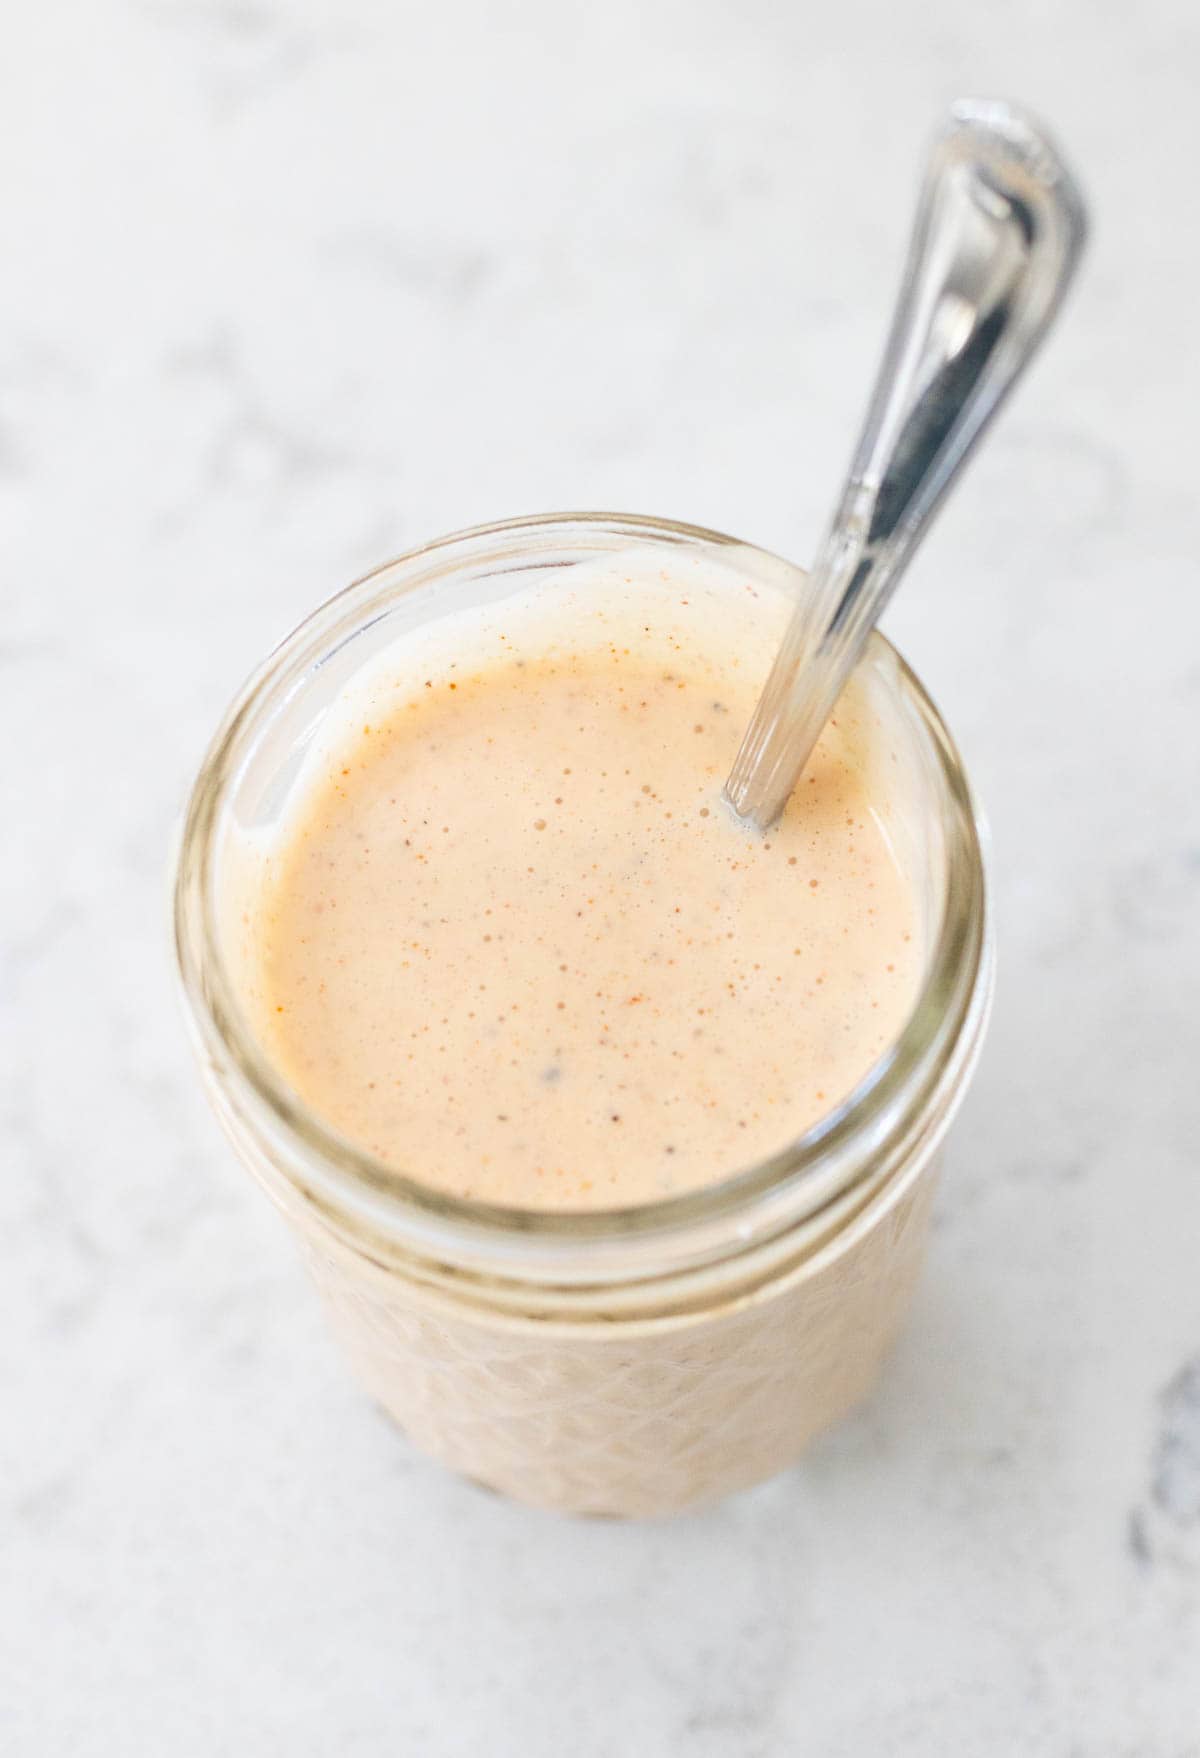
(360, 1194)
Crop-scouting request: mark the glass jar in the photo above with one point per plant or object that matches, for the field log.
(627, 1362)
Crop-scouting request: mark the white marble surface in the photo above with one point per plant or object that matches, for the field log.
(287, 287)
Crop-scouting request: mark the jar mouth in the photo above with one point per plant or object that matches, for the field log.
(359, 1192)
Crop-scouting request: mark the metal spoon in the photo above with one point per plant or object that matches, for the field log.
(998, 235)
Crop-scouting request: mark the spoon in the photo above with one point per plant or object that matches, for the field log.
(998, 234)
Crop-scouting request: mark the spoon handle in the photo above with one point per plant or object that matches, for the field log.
(998, 234)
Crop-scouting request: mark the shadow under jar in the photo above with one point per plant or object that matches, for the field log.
(628, 1361)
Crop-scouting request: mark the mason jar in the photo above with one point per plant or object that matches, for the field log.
(631, 1361)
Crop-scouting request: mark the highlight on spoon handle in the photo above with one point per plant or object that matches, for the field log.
(997, 237)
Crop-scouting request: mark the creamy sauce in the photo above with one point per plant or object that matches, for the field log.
(511, 940)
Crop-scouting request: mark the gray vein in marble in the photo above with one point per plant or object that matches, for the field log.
(244, 50)
(1138, 1540)
(1175, 1486)
(250, 451)
(454, 274)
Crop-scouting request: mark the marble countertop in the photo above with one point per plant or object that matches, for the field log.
(290, 286)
